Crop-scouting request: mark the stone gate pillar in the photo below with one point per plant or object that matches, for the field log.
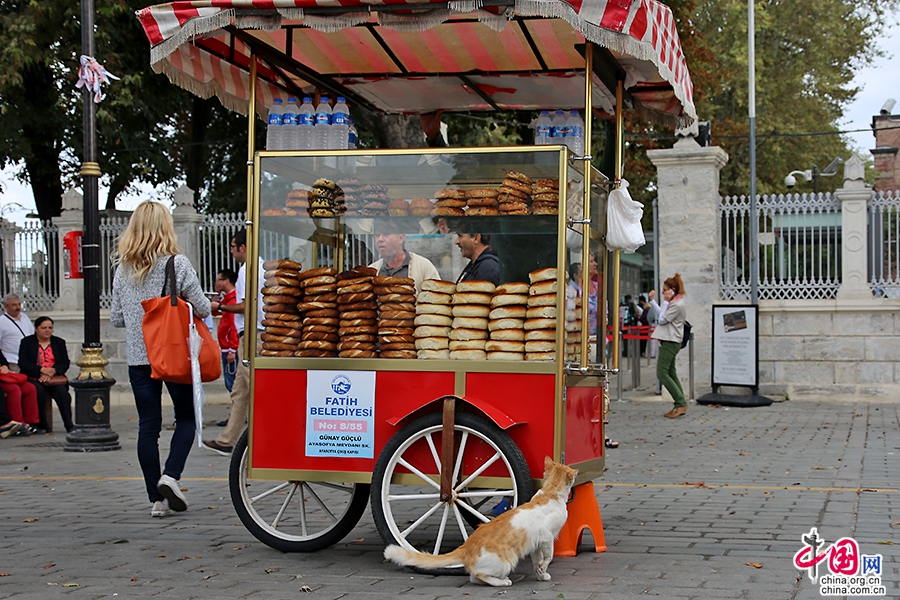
(688, 240)
(187, 224)
(854, 197)
(71, 291)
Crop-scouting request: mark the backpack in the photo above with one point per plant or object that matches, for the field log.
(686, 336)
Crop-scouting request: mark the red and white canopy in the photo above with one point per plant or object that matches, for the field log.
(407, 56)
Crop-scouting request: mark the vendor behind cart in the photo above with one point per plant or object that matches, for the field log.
(396, 260)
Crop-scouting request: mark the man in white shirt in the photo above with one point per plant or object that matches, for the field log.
(396, 260)
(14, 325)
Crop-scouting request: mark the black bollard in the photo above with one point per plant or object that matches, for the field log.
(92, 426)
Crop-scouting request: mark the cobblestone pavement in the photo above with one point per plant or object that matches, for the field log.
(711, 505)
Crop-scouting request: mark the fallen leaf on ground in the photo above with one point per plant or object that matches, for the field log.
(895, 523)
(273, 569)
(29, 520)
(189, 557)
(134, 578)
(208, 576)
(755, 565)
(886, 543)
(70, 585)
(47, 566)
(697, 484)
(212, 507)
(5, 574)
(357, 540)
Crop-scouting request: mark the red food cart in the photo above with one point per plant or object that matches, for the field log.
(438, 445)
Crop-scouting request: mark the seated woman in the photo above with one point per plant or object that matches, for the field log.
(43, 357)
(21, 399)
(9, 426)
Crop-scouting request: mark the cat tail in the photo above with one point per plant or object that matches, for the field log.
(408, 558)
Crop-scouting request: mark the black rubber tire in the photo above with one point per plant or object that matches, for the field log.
(282, 539)
(430, 424)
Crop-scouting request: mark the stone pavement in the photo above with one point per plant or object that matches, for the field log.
(686, 505)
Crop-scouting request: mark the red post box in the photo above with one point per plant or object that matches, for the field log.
(73, 266)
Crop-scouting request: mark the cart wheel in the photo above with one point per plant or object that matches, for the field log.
(416, 518)
(294, 516)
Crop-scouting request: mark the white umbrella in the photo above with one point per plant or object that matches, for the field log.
(194, 343)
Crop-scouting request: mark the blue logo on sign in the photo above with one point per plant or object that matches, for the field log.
(340, 385)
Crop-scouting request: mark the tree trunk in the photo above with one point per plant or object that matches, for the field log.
(42, 163)
(393, 131)
(200, 118)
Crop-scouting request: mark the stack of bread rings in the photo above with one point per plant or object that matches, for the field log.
(321, 199)
(507, 322)
(434, 315)
(545, 197)
(573, 327)
(281, 291)
(540, 317)
(375, 200)
(320, 316)
(515, 192)
(358, 323)
(352, 201)
(396, 316)
(482, 202)
(471, 307)
(449, 203)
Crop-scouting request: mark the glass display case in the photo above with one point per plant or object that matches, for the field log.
(323, 217)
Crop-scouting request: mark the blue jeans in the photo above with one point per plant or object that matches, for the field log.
(229, 369)
(148, 400)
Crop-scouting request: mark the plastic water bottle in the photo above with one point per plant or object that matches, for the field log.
(323, 124)
(575, 133)
(558, 128)
(340, 125)
(542, 129)
(274, 139)
(290, 139)
(306, 120)
(352, 135)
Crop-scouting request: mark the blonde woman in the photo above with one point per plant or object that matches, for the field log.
(143, 250)
(669, 331)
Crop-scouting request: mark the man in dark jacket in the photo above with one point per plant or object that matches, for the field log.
(483, 262)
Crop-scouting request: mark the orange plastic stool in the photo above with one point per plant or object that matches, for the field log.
(584, 513)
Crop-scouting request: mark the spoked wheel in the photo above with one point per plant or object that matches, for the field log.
(489, 475)
(294, 516)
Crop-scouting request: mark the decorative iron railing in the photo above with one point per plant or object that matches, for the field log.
(884, 244)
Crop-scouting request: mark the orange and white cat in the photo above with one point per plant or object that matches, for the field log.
(494, 548)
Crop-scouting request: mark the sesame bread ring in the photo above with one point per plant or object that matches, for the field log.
(548, 182)
(359, 314)
(320, 335)
(354, 345)
(325, 312)
(467, 334)
(395, 306)
(508, 194)
(504, 346)
(370, 305)
(434, 298)
(318, 280)
(406, 323)
(543, 287)
(397, 346)
(397, 339)
(509, 312)
(397, 315)
(359, 329)
(511, 186)
(482, 211)
(345, 323)
(541, 312)
(466, 345)
(319, 321)
(279, 346)
(450, 203)
(369, 338)
(357, 272)
(438, 320)
(326, 297)
(283, 316)
(449, 193)
(280, 324)
(438, 285)
(354, 298)
(282, 264)
(432, 343)
(316, 345)
(354, 288)
(285, 307)
(471, 310)
(381, 290)
(540, 356)
(468, 355)
(404, 298)
(345, 281)
(540, 346)
(433, 354)
(545, 210)
(320, 290)
(471, 298)
(483, 202)
(540, 324)
(508, 356)
(542, 300)
(307, 306)
(518, 176)
(511, 335)
(424, 331)
(383, 331)
(447, 211)
(482, 193)
(475, 285)
(540, 334)
(281, 280)
(523, 210)
(314, 353)
(434, 309)
(284, 339)
(276, 352)
(551, 198)
(357, 353)
(496, 324)
(322, 328)
(469, 323)
(384, 280)
(278, 299)
(282, 331)
(398, 354)
(509, 300)
(282, 273)
(321, 271)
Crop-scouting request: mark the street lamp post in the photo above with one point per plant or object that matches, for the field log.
(92, 385)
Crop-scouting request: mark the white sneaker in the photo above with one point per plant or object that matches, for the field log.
(169, 488)
(161, 509)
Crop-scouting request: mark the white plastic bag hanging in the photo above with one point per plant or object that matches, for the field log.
(623, 221)
(194, 343)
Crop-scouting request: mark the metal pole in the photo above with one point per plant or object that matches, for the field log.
(754, 216)
(92, 385)
(815, 171)
(586, 213)
(614, 305)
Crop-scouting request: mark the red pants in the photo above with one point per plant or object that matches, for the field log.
(21, 402)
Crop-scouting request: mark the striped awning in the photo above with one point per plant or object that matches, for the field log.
(414, 57)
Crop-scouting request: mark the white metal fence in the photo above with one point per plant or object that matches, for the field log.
(884, 244)
(28, 254)
(799, 246)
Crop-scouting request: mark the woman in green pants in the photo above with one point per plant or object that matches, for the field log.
(669, 332)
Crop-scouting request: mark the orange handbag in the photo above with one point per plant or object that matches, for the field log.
(166, 327)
